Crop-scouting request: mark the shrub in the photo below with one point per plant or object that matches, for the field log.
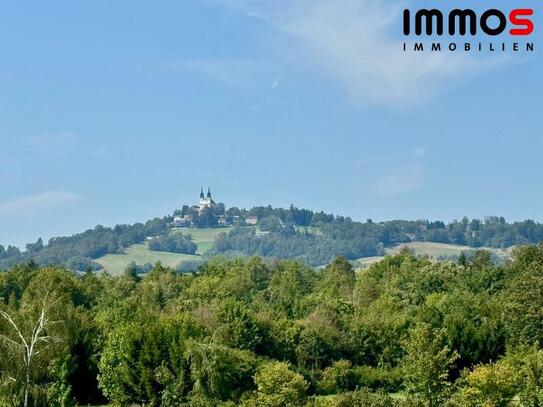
(487, 385)
(363, 398)
(378, 378)
(337, 378)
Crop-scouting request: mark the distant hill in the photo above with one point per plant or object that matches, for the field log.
(301, 234)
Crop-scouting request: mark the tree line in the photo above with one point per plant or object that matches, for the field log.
(78, 251)
(173, 243)
(318, 241)
(404, 332)
(293, 233)
(287, 243)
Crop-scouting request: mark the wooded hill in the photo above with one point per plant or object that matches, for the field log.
(301, 234)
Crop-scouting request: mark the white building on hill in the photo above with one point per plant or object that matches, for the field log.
(186, 218)
(206, 201)
(251, 220)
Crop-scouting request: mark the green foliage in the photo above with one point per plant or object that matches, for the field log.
(300, 234)
(339, 236)
(237, 327)
(279, 386)
(471, 322)
(339, 280)
(531, 385)
(36, 332)
(363, 398)
(426, 365)
(258, 333)
(337, 378)
(523, 297)
(77, 251)
(270, 224)
(133, 355)
(59, 391)
(174, 243)
(527, 363)
(488, 385)
(218, 372)
(289, 284)
(376, 378)
(288, 243)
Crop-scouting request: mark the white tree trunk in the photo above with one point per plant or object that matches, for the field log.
(29, 346)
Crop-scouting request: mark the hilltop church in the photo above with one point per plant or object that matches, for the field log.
(186, 220)
(205, 201)
(198, 215)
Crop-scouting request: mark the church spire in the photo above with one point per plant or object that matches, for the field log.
(202, 193)
(208, 192)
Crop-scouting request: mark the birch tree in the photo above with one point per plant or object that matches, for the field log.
(31, 342)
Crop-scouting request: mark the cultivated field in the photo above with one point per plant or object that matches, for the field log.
(115, 264)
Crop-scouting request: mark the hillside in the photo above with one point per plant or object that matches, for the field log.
(141, 255)
(444, 250)
(434, 251)
(204, 237)
(311, 237)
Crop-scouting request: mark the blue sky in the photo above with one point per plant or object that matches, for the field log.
(116, 112)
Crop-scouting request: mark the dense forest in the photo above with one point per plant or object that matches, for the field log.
(404, 332)
(316, 238)
(287, 243)
(300, 234)
(78, 251)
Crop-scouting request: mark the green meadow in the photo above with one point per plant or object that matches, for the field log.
(115, 264)
(140, 254)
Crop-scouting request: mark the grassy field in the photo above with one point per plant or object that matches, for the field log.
(430, 249)
(115, 264)
(436, 250)
(204, 238)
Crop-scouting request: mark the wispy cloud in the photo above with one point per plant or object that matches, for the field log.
(53, 143)
(357, 43)
(276, 82)
(409, 155)
(404, 180)
(401, 172)
(38, 204)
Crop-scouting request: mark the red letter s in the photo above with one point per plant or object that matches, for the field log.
(527, 23)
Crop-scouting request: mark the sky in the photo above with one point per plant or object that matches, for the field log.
(119, 111)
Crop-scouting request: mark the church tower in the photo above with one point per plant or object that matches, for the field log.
(205, 200)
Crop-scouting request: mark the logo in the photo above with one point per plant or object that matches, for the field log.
(491, 23)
